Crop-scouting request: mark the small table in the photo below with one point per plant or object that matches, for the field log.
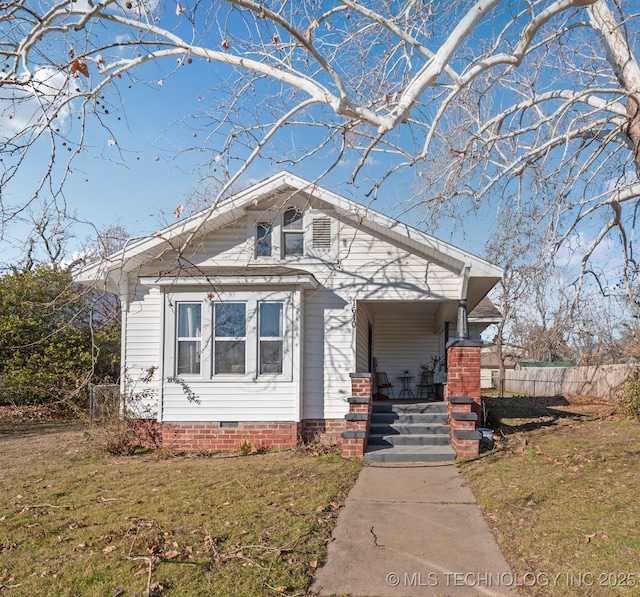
(406, 392)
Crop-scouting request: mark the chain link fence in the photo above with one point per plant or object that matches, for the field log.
(104, 401)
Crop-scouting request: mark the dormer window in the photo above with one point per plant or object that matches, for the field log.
(263, 239)
(292, 232)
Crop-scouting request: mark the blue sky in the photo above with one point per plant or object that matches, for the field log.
(139, 182)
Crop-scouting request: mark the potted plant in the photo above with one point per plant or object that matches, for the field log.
(429, 371)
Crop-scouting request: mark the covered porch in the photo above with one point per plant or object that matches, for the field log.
(406, 340)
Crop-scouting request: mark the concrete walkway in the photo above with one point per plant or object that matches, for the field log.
(413, 530)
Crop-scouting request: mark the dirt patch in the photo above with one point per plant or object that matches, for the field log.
(569, 403)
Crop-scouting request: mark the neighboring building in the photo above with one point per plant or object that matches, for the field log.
(246, 321)
(490, 363)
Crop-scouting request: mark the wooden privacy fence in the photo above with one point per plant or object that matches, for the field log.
(599, 381)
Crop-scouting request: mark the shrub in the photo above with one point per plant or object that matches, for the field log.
(53, 334)
(627, 394)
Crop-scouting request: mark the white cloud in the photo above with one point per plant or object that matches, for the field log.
(32, 101)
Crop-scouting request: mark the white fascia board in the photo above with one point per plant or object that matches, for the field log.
(307, 282)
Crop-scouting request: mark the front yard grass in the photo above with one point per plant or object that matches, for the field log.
(562, 495)
(74, 521)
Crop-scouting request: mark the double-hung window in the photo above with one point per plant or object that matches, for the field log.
(241, 335)
(229, 338)
(270, 338)
(292, 232)
(189, 338)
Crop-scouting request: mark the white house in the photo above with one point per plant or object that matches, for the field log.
(246, 322)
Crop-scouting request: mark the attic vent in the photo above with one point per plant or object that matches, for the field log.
(322, 233)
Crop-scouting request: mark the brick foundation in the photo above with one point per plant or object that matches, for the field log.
(326, 431)
(192, 436)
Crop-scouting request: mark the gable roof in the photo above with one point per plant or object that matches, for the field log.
(140, 251)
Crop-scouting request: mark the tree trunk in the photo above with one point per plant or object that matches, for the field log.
(625, 67)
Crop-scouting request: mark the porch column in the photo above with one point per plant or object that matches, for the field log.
(463, 373)
(358, 419)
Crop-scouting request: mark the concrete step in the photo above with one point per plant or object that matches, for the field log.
(409, 439)
(409, 454)
(392, 418)
(408, 406)
(409, 428)
(409, 431)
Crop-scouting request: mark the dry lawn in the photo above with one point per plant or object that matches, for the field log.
(561, 493)
(74, 521)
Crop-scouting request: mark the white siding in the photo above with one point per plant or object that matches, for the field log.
(142, 349)
(241, 397)
(364, 320)
(360, 267)
(402, 342)
(232, 401)
(328, 355)
(382, 271)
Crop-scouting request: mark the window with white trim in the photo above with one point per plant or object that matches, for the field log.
(189, 339)
(263, 239)
(239, 336)
(270, 338)
(292, 232)
(229, 338)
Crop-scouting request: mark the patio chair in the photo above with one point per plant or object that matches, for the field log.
(426, 387)
(383, 385)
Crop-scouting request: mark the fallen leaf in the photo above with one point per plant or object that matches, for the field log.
(171, 555)
(109, 549)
